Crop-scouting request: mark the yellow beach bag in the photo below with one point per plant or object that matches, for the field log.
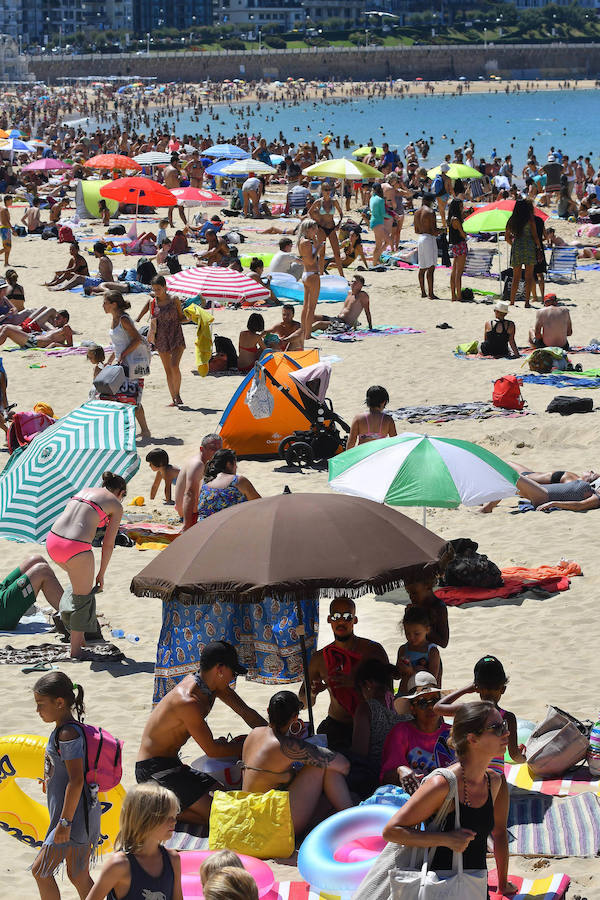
(258, 825)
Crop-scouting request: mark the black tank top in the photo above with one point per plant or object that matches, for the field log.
(454, 235)
(479, 819)
(497, 339)
(144, 885)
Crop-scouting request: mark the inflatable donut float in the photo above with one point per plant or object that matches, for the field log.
(22, 757)
(338, 853)
(191, 860)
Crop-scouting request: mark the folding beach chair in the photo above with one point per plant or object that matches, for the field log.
(481, 188)
(479, 262)
(563, 264)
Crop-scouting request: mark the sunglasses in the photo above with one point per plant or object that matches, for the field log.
(347, 617)
(425, 704)
(498, 728)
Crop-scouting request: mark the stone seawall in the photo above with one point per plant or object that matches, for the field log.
(360, 64)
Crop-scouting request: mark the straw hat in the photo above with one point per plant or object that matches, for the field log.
(501, 306)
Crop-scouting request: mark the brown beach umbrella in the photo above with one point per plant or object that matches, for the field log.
(293, 544)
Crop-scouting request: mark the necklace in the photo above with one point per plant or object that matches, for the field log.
(466, 800)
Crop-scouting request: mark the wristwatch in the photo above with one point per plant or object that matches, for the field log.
(65, 823)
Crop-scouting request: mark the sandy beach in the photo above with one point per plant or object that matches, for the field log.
(548, 647)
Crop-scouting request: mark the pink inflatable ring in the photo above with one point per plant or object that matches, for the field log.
(191, 860)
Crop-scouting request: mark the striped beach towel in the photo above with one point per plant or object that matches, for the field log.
(550, 888)
(574, 783)
(546, 826)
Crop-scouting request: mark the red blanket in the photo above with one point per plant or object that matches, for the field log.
(457, 596)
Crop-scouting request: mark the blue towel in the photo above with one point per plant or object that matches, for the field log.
(562, 380)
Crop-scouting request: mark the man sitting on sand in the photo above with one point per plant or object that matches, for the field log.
(286, 261)
(288, 330)
(181, 715)
(60, 335)
(355, 304)
(189, 480)
(552, 325)
(273, 759)
(333, 669)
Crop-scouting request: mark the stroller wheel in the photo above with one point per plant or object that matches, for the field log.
(299, 454)
(284, 445)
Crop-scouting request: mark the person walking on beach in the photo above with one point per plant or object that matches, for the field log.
(69, 544)
(74, 809)
(376, 223)
(141, 866)
(181, 715)
(458, 247)
(308, 251)
(425, 227)
(130, 352)
(525, 245)
(167, 316)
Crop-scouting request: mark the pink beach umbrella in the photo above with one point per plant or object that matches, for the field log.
(46, 165)
(216, 283)
(190, 196)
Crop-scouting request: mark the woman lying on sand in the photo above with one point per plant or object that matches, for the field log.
(556, 490)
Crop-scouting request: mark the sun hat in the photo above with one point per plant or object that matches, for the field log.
(501, 306)
(421, 683)
(444, 167)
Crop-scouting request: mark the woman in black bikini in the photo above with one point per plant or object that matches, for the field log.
(479, 734)
(499, 334)
(323, 212)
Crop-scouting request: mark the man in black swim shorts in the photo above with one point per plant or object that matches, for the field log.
(181, 714)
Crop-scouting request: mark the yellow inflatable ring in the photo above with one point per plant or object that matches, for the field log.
(22, 756)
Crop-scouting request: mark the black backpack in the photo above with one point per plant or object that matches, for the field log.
(145, 271)
(225, 345)
(566, 406)
(470, 569)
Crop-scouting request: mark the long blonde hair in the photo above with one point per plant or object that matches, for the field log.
(305, 226)
(231, 884)
(145, 807)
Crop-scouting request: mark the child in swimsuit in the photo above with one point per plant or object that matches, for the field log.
(417, 654)
(158, 460)
(489, 681)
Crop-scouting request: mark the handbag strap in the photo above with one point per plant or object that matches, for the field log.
(440, 818)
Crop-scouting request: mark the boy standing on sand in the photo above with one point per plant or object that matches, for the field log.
(6, 227)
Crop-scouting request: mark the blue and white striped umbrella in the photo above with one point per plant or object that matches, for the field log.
(70, 455)
(226, 151)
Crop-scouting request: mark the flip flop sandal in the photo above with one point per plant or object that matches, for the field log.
(39, 667)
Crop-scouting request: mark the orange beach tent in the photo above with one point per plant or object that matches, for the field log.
(248, 436)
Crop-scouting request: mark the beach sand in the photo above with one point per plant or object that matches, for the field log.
(548, 646)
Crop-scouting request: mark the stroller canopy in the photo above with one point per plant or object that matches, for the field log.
(313, 380)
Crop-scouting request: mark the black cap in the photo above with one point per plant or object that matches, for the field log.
(223, 653)
(489, 672)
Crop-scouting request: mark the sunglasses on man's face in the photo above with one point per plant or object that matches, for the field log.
(347, 617)
(425, 704)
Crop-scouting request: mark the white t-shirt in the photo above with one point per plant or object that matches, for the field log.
(251, 184)
(282, 262)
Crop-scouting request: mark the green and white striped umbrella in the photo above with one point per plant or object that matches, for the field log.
(70, 455)
(417, 470)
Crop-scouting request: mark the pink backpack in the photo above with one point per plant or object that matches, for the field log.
(103, 763)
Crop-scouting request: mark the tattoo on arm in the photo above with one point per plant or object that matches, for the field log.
(301, 751)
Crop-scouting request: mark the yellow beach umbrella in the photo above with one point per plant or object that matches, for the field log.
(342, 168)
(456, 170)
(364, 151)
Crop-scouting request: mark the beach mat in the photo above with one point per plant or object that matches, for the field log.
(552, 887)
(448, 412)
(562, 380)
(27, 656)
(458, 596)
(577, 781)
(358, 334)
(540, 825)
(188, 837)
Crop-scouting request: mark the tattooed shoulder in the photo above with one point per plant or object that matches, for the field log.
(302, 751)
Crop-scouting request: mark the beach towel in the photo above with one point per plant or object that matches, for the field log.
(552, 887)
(564, 567)
(203, 343)
(150, 535)
(562, 380)
(188, 837)
(357, 334)
(72, 351)
(448, 412)
(539, 825)
(574, 782)
(11, 656)
(458, 596)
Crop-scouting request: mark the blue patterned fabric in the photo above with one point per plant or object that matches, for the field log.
(263, 633)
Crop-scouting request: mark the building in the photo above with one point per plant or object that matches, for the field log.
(181, 14)
(284, 14)
(351, 11)
(13, 64)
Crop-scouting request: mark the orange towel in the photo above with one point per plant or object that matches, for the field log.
(565, 567)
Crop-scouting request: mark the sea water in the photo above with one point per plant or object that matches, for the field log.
(507, 123)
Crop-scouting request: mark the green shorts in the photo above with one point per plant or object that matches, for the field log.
(78, 613)
(16, 596)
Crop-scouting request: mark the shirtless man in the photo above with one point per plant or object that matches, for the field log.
(288, 330)
(552, 325)
(172, 179)
(274, 759)
(6, 227)
(181, 715)
(195, 170)
(425, 227)
(60, 335)
(31, 218)
(187, 488)
(355, 304)
(333, 669)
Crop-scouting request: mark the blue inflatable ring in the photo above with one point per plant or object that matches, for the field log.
(316, 862)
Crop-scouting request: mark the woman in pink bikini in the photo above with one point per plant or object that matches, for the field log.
(375, 424)
(69, 544)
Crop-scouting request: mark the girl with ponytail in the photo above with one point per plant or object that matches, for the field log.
(74, 809)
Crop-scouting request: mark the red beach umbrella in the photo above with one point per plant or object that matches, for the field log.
(138, 190)
(112, 161)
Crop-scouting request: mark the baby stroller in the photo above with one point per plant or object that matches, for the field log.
(322, 439)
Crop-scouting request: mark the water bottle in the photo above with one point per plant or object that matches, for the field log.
(132, 638)
(117, 633)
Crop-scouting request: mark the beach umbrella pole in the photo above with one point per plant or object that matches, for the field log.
(301, 632)
(424, 517)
